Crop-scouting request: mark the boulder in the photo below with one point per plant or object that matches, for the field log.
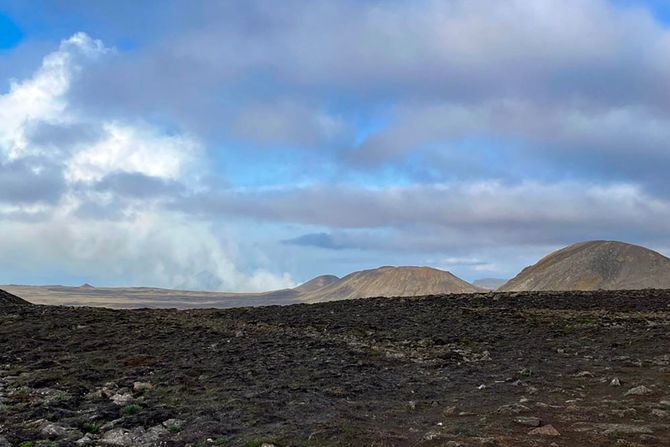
(638, 391)
(529, 421)
(547, 430)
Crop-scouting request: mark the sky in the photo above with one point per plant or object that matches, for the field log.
(251, 145)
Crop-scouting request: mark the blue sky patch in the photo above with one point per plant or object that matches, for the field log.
(10, 34)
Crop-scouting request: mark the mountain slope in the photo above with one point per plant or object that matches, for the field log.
(9, 299)
(317, 283)
(593, 265)
(391, 281)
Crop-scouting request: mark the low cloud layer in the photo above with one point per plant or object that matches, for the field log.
(242, 147)
(450, 215)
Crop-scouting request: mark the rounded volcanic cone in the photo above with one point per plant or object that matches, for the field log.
(392, 282)
(317, 283)
(13, 300)
(593, 265)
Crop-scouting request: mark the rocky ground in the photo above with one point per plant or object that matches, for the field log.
(515, 369)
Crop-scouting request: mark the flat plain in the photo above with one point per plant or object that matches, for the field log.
(147, 297)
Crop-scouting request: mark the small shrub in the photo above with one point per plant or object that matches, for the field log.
(91, 427)
(130, 410)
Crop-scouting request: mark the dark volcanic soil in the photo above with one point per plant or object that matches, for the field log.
(9, 299)
(458, 370)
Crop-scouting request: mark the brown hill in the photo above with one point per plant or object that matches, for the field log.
(9, 299)
(594, 265)
(391, 281)
(317, 283)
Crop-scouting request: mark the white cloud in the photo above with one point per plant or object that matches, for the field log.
(120, 146)
(129, 148)
(145, 245)
(41, 98)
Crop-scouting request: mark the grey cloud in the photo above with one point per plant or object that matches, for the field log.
(586, 99)
(62, 136)
(520, 139)
(407, 238)
(320, 240)
(123, 195)
(438, 239)
(30, 180)
(138, 186)
(437, 217)
(26, 216)
(288, 123)
(438, 49)
(92, 209)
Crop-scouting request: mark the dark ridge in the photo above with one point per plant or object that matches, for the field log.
(9, 299)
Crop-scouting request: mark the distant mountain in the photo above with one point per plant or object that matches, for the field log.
(489, 283)
(391, 281)
(593, 265)
(9, 299)
(317, 283)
